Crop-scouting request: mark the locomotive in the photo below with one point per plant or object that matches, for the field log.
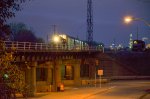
(138, 45)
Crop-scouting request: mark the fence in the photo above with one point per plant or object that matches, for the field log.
(48, 47)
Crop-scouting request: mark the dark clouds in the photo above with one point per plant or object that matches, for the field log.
(70, 18)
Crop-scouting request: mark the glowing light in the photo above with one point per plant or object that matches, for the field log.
(63, 36)
(128, 19)
(56, 38)
(135, 42)
(5, 76)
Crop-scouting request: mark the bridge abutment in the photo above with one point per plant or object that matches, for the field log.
(45, 71)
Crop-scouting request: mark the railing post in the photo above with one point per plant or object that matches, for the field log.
(41, 46)
(24, 45)
(46, 46)
(12, 45)
(29, 45)
(35, 46)
(16, 45)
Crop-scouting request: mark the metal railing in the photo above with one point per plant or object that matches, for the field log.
(31, 46)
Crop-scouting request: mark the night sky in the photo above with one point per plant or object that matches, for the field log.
(70, 16)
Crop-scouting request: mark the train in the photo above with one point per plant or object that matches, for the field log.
(138, 45)
(71, 43)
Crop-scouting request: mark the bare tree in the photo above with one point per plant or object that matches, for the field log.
(21, 33)
(7, 11)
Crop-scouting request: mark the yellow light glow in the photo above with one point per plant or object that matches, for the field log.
(135, 42)
(56, 38)
(128, 19)
(63, 36)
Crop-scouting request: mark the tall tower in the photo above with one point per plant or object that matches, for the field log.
(89, 22)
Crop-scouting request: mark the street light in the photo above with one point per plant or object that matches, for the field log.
(129, 19)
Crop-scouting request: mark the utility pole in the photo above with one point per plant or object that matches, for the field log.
(89, 22)
(54, 32)
(137, 33)
(54, 29)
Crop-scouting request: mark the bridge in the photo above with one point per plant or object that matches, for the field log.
(45, 66)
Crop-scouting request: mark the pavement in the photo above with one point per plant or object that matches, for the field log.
(146, 95)
(79, 92)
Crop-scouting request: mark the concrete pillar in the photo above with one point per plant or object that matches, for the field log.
(33, 78)
(27, 76)
(77, 79)
(91, 68)
(114, 71)
(49, 75)
(49, 72)
(57, 74)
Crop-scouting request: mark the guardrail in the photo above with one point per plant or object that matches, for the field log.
(26, 46)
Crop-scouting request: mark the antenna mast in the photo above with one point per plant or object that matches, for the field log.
(89, 22)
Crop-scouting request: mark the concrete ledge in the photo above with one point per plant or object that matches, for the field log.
(42, 86)
(68, 82)
(130, 77)
(93, 82)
